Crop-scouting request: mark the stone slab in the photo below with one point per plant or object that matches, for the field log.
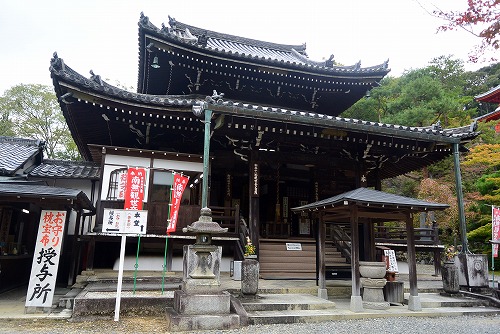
(190, 322)
(187, 303)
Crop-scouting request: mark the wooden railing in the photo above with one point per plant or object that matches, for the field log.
(397, 235)
(341, 239)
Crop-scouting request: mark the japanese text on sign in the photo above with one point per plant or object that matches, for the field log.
(134, 194)
(46, 259)
(495, 228)
(180, 182)
(125, 221)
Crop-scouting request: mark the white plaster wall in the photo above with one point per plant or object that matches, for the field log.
(113, 162)
(179, 165)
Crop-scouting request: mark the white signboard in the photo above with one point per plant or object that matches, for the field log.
(293, 246)
(125, 221)
(46, 259)
(392, 263)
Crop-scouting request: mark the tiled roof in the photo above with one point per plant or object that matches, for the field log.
(63, 72)
(465, 132)
(15, 152)
(67, 170)
(491, 96)
(294, 55)
(372, 197)
(95, 85)
(34, 191)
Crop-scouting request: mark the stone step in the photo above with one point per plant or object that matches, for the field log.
(433, 300)
(430, 307)
(282, 302)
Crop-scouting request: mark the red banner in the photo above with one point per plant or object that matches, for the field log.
(180, 182)
(495, 228)
(134, 193)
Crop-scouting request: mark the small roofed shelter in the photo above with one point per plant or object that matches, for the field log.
(368, 206)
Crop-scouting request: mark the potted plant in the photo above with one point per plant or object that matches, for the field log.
(249, 270)
(249, 249)
(449, 271)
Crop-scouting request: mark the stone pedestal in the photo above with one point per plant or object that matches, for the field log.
(472, 270)
(449, 274)
(201, 268)
(249, 277)
(373, 294)
(373, 282)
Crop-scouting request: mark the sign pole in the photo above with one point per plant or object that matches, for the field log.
(120, 277)
(136, 267)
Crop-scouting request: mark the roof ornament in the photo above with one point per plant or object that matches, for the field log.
(56, 63)
(203, 40)
(437, 126)
(172, 22)
(329, 62)
(144, 19)
(473, 126)
(96, 78)
(386, 64)
(188, 36)
(215, 98)
(165, 29)
(64, 98)
(199, 108)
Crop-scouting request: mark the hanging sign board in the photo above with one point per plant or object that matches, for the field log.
(134, 193)
(125, 221)
(43, 276)
(495, 228)
(179, 184)
(255, 180)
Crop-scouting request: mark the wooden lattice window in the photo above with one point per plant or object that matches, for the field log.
(117, 183)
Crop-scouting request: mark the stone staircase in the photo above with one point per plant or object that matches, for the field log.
(287, 308)
(304, 308)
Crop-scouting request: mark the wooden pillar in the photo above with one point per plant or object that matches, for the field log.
(253, 214)
(90, 253)
(414, 300)
(356, 302)
(356, 285)
(322, 292)
(73, 265)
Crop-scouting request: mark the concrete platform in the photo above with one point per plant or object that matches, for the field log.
(278, 301)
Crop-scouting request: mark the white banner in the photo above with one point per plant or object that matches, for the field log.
(125, 221)
(43, 276)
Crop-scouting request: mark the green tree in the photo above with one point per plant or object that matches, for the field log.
(32, 111)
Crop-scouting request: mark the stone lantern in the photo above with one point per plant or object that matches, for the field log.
(202, 260)
(200, 304)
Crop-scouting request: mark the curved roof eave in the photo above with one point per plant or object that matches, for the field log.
(298, 60)
(64, 75)
(493, 93)
(366, 196)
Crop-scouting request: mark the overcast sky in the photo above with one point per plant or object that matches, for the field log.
(103, 35)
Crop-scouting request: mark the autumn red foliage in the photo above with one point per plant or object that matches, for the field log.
(481, 18)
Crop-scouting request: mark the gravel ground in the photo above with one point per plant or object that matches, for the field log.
(410, 325)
